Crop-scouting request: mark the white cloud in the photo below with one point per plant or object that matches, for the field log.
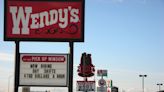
(5, 71)
(6, 68)
(6, 75)
(139, 90)
(2, 90)
(6, 57)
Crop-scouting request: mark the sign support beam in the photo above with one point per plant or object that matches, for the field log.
(70, 86)
(16, 79)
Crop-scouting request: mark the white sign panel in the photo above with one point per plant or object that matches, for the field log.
(101, 89)
(85, 85)
(26, 89)
(43, 69)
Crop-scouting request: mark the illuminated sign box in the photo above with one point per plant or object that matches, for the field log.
(43, 69)
(44, 20)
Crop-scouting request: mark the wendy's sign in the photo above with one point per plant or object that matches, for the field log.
(44, 20)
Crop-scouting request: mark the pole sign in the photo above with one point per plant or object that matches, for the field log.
(102, 73)
(43, 69)
(85, 85)
(44, 20)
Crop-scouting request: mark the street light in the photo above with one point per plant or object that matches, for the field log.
(143, 76)
(159, 84)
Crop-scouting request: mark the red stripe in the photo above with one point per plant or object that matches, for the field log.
(43, 58)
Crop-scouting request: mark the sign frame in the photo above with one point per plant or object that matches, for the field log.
(82, 24)
(67, 72)
(102, 72)
(94, 83)
(101, 89)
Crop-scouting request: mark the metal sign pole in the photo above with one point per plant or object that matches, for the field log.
(70, 86)
(16, 80)
(85, 79)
